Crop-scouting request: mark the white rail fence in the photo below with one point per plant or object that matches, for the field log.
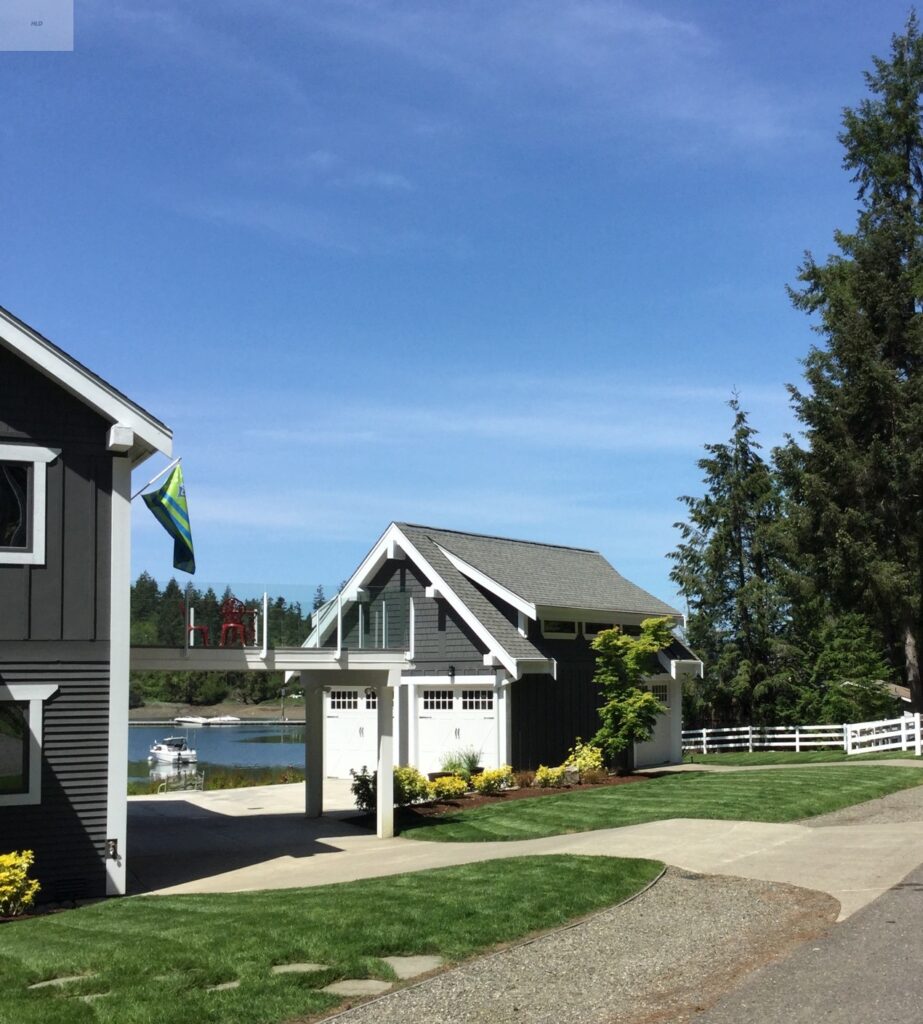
(855, 738)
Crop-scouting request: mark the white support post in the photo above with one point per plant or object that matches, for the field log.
(848, 732)
(409, 654)
(918, 740)
(797, 739)
(903, 728)
(750, 738)
(412, 752)
(264, 651)
(385, 787)
(314, 744)
(339, 652)
(361, 625)
(119, 663)
(846, 737)
(704, 741)
(384, 625)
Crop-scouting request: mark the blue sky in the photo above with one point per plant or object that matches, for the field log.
(487, 266)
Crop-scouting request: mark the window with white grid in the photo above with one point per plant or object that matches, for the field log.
(438, 700)
(662, 692)
(371, 700)
(477, 700)
(344, 700)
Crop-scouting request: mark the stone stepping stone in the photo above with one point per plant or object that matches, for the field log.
(357, 987)
(225, 986)
(61, 981)
(298, 968)
(412, 966)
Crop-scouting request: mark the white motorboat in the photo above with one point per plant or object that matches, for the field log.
(173, 750)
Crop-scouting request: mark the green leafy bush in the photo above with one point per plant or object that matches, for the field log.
(545, 776)
(17, 889)
(364, 789)
(492, 780)
(449, 787)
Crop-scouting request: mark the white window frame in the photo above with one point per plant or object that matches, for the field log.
(596, 632)
(344, 699)
(479, 699)
(38, 458)
(34, 695)
(551, 635)
(438, 699)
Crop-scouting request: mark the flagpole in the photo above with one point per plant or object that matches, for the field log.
(154, 479)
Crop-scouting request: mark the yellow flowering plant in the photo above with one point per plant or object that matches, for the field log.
(492, 780)
(17, 890)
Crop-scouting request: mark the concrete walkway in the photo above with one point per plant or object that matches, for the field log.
(237, 840)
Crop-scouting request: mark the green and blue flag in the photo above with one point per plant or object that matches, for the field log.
(168, 504)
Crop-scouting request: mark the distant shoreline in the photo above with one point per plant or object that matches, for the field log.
(270, 711)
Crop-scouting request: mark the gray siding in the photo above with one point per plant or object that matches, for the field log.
(441, 638)
(67, 598)
(67, 830)
(547, 715)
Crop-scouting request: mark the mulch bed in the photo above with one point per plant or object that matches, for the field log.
(441, 808)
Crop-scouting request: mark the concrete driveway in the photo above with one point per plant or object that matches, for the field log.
(247, 839)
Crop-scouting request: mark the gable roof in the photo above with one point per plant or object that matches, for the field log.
(548, 575)
(150, 434)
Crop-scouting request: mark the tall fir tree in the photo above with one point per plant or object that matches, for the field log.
(727, 566)
(856, 480)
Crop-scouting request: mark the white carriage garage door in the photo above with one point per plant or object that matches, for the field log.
(351, 731)
(456, 718)
(658, 749)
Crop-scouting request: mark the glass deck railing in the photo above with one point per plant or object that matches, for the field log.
(264, 615)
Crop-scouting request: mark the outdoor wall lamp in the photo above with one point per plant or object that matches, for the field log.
(112, 849)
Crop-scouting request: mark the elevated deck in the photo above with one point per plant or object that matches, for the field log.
(249, 659)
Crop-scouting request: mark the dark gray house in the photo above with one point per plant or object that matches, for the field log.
(68, 443)
(497, 633)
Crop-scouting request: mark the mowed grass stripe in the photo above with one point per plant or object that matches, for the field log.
(764, 757)
(746, 796)
(155, 955)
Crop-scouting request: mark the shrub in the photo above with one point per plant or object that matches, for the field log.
(17, 890)
(593, 776)
(462, 762)
(449, 787)
(585, 757)
(492, 780)
(409, 787)
(524, 779)
(363, 789)
(545, 777)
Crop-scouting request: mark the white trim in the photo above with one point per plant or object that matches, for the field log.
(76, 379)
(394, 539)
(34, 694)
(477, 576)
(119, 664)
(681, 667)
(38, 458)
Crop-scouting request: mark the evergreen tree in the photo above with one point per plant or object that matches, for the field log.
(857, 482)
(728, 567)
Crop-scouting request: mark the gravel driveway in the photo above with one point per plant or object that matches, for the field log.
(673, 950)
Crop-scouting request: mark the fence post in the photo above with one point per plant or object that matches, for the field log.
(750, 738)
(846, 737)
(904, 734)
(918, 739)
(704, 741)
(797, 739)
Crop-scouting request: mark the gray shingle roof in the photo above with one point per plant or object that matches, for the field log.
(497, 624)
(543, 574)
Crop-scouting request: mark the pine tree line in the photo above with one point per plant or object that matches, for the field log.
(804, 574)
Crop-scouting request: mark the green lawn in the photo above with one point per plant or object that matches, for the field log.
(749, 796)
(155, 955)
(742, 758)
